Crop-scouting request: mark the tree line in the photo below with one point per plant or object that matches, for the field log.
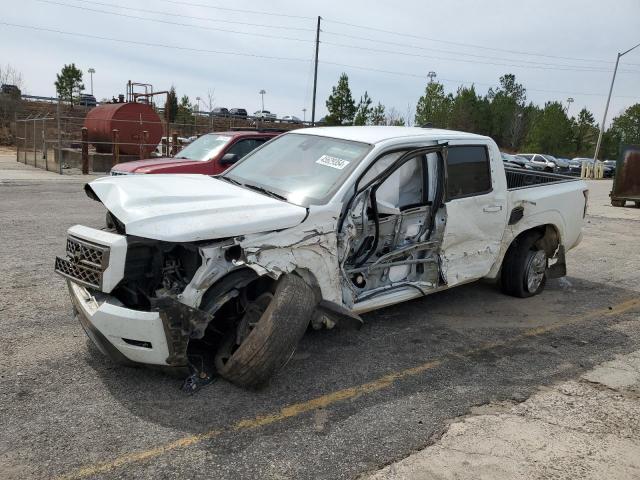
(502, 113)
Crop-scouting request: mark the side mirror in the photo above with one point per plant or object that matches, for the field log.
(229, 159)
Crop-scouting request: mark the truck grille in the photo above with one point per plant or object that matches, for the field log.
(85, 262)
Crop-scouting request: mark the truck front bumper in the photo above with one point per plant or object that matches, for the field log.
(124, 334)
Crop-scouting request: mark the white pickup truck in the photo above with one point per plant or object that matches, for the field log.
(314, 227)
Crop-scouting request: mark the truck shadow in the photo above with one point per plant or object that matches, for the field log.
(511, 363)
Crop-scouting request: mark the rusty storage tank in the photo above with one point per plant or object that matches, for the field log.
(131, 119)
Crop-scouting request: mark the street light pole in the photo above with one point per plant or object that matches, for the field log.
(91, 72)
(262, 92)
(606, 108)
(304, 114)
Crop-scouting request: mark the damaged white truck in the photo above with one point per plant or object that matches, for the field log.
(313, 228)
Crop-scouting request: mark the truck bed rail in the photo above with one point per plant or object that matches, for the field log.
(521, 178)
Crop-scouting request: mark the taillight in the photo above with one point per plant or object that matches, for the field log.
(586, 200)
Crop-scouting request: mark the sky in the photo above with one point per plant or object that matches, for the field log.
(557, 49)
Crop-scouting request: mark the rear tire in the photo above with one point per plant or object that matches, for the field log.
(272, 339)
(524, 267)
(618, 203)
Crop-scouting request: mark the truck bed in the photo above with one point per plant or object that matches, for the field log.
(521, 178)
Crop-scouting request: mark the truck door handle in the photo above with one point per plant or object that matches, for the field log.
(492, 208)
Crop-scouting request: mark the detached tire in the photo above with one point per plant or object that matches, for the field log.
(524, 267)
(274, 336)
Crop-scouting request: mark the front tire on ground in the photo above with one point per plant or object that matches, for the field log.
(275, 322)
(524, 267)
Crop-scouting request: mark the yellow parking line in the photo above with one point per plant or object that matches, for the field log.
(331, 398)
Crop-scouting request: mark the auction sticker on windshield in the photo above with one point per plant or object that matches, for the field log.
(333, 162)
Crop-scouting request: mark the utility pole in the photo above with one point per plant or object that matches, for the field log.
(315, 75)
(606, 108)
(569, 102)
(431, 76)
(304, 114)
(91, 72)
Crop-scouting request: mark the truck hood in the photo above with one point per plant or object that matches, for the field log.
(151, 165)
(187, 208)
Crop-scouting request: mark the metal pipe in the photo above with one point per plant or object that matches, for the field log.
(116, 147)
(85, 150)
(59, 138)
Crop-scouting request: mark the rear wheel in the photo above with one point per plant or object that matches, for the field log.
(618, 203)
(270, 324)
(524, 267)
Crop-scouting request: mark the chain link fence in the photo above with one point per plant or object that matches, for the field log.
(58, 142)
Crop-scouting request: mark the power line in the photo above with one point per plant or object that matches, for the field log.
(169, 22)
(176, 2)
(193, 17)
(404, 45)
(461, 44)
(408, 54)
(414, 75)
(150, 44)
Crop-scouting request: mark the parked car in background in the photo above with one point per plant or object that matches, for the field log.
(238, 112)
(291, 119)
(562, 165)
(575, 166)
(541, 162)
(265, 115)
(609, 168)
(220, 112)
(87, 100)
(210, 154)
(515, 161)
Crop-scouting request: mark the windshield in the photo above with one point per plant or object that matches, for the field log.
(204, 148)
(304, 169)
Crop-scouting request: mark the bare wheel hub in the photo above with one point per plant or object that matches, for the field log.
(253, 311)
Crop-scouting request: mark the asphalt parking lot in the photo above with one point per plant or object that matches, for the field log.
(347, 404)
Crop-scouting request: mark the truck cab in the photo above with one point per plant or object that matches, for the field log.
(210, 154)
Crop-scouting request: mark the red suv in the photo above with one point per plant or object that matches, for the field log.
(210, 154)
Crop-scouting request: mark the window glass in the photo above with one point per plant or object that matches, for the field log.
(467, 171)
(243, 147)
(306, 169)
(204, 148)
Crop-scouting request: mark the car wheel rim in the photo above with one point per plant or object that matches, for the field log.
(535, 270)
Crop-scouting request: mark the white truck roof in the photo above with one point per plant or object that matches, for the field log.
(377, 134)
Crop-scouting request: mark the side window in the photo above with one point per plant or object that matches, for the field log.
(468, 171)
(242, 147)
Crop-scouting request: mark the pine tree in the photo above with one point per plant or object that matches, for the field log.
(363, 110)
(434, 106)
(340, 103)
(69, 83)
(171, 105)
